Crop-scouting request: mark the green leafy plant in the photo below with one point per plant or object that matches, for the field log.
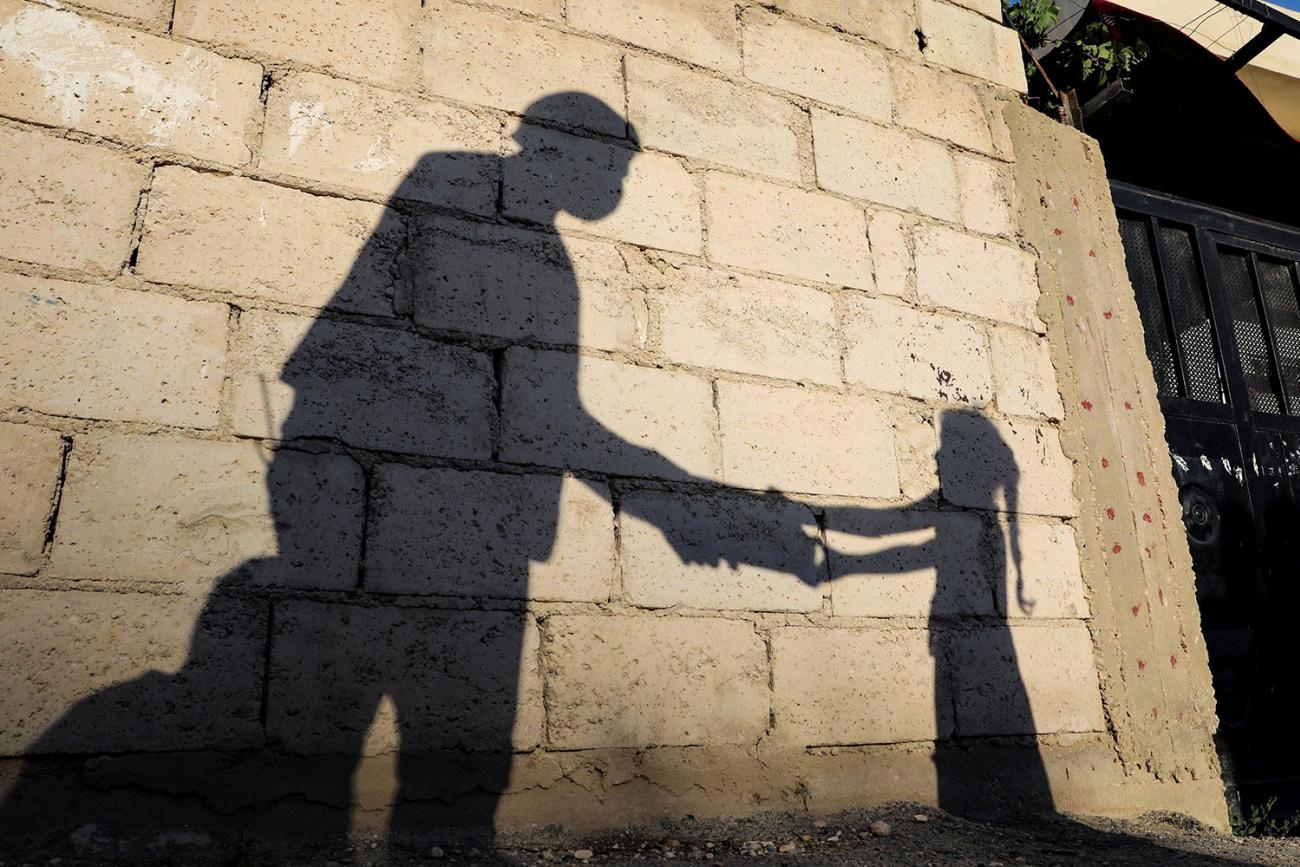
(1260, 822)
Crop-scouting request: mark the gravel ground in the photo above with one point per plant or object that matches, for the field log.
(900, 834)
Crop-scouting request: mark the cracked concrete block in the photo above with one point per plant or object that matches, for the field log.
(941, 105)
(507, 282)
(98, 352)
(966, 41)
(1028, 679)
(1050, 566)
(375, 41)
(374, 387)
(156, 13)
(65, 70)
(704, 32)
(723, 553)
(183, 512)
(891, 253)
(68, 205)
(785, 54)
(258, 240)
(648, 681)
(791, 232)
(375, 142)
(885, 21)
(795, 439)
(829, 686)
(463, 680)
(474, 55)
(1026, 377)
(557, 175)
(894, 348)
(696, 115)
(985, 195)
(892, 563)
(123, 672)
(916, 443)
(454, 533)
(29, 478)
(726, 321)
(564, 410)
(977, 276)
(981, 458)
(884, 165)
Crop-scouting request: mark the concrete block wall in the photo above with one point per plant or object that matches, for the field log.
(649, 401)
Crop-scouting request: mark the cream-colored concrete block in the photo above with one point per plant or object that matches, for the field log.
(891, 252)
(513, 283)
(1050, 569)
(562, 410)
(374, 41)
(894, 563)
(888, 22)
(795, 439)
(549, 9)
(884, 165)
(895, 348)
(61, 69)
(98, 352)
(379, 388)
(987, 8)
(942, 105)
(703, 32)
(1025, 680)
(985, 195)
(259, 240)
(976, 275)
(747, 324)
(156, 13)
(690, 113)
(981, 460)
(29, 479)
(964, 40)
(472, 55)
(722, 553)
(786, 231)
(1026, 378)
(184, 512)
(454, 533)
(463, 680)
(123, 672)
(854, 686)
(812, 63)
(375, 142)
(642, 681)
(557, 177)
(68, 205)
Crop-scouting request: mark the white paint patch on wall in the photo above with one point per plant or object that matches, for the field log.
(76, 62)
(307, 119)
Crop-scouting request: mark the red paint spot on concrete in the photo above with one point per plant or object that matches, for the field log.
(1069, 299)
(1058, 232)
(1115, 549)
(1155, 713)
(1142, 665)
(1087, 404)
(1142, 478)
(1075, 199)
(1146, 516)
(1104, 463)
(1173, 660)
(1128, 405)
(1107, 314)
(1110, 513)
(1092, 253)
(1147, 549)
(1136, 609)
(1160, 591)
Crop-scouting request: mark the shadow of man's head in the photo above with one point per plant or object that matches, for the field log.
(556, 172)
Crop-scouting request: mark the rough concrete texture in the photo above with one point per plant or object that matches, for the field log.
(570, 413)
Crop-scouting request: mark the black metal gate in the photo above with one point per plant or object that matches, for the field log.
(1219, 297)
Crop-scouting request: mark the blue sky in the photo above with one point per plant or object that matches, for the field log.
(1290, 4)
